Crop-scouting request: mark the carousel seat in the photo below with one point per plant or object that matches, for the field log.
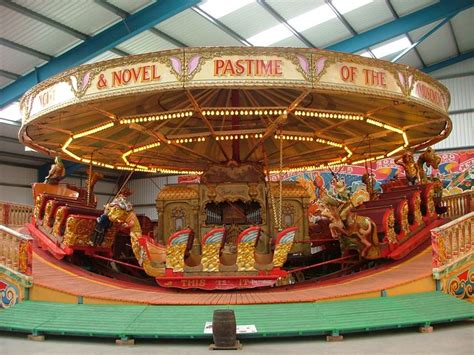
(42, 202)
(414, 202)
(400, 205)
(179, 245)
(426, 195)
(384, 219)
(211, 246)
(63, 212)
(244, 258)
(282, 246)
(53, 205)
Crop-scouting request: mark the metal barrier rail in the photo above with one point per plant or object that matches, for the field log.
(15, 250)
(452, 241)
(14, 214)
(459, 204)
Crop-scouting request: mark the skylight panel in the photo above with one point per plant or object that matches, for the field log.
(391, 47)
(344, 6)
(11, 113)
(220, 8)
(300, 23)
(272, 35)
(312, 18)
(365, 54)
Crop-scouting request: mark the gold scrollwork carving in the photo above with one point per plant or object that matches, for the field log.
(246, 256)
(210, 257)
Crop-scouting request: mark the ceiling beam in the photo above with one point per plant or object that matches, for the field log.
(221, 26)
(9, 74)
(401, 25)
(43, 19)
(95, 45)
(455, 40)
(448, 62)
(395, 14)
(422, 38)
(21, 48)
(123, 14)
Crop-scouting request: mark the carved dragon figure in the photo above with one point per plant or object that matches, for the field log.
(121, 211)
(431, 159)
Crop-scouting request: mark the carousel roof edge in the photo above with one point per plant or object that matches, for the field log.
(228, 50)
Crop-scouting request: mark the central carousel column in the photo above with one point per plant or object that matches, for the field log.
(305, 231)
(197, 230)
(235, 126)
(160, 237)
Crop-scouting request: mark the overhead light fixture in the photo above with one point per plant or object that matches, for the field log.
(392, 47)
(219, 8)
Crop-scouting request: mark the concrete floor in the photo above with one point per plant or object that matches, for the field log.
(456, 338)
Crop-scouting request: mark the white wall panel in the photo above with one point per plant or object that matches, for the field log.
(17, 175)
(20, 176)
(466, 66)
(16, 195)
(150, 212)
(461, 92)
(462, 134)
(146, 190)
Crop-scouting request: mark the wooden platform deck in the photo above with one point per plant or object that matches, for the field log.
(276, 320)
(59, 281)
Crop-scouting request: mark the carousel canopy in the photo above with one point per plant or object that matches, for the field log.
(188, 109)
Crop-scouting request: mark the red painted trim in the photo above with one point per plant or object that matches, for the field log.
(212, 232)
(284, 232)
(415, 240)
(221, 282)
(248, 230)
(177, 234)
(46, 243)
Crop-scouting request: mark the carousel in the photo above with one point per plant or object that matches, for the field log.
(237, 121)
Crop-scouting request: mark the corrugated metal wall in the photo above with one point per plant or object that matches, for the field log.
(145, 192)
(23, 177)
(461, 90)
(462, 99)
(462, 134)
(466, 66)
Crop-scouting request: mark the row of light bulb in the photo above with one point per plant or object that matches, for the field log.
(246, 112)
(340, 116)
(160, 117)
(228, 137)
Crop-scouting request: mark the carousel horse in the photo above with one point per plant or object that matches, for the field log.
(346, 224)
(430, 158)
(412, 170)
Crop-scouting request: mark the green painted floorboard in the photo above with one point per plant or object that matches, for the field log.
(271, 320)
